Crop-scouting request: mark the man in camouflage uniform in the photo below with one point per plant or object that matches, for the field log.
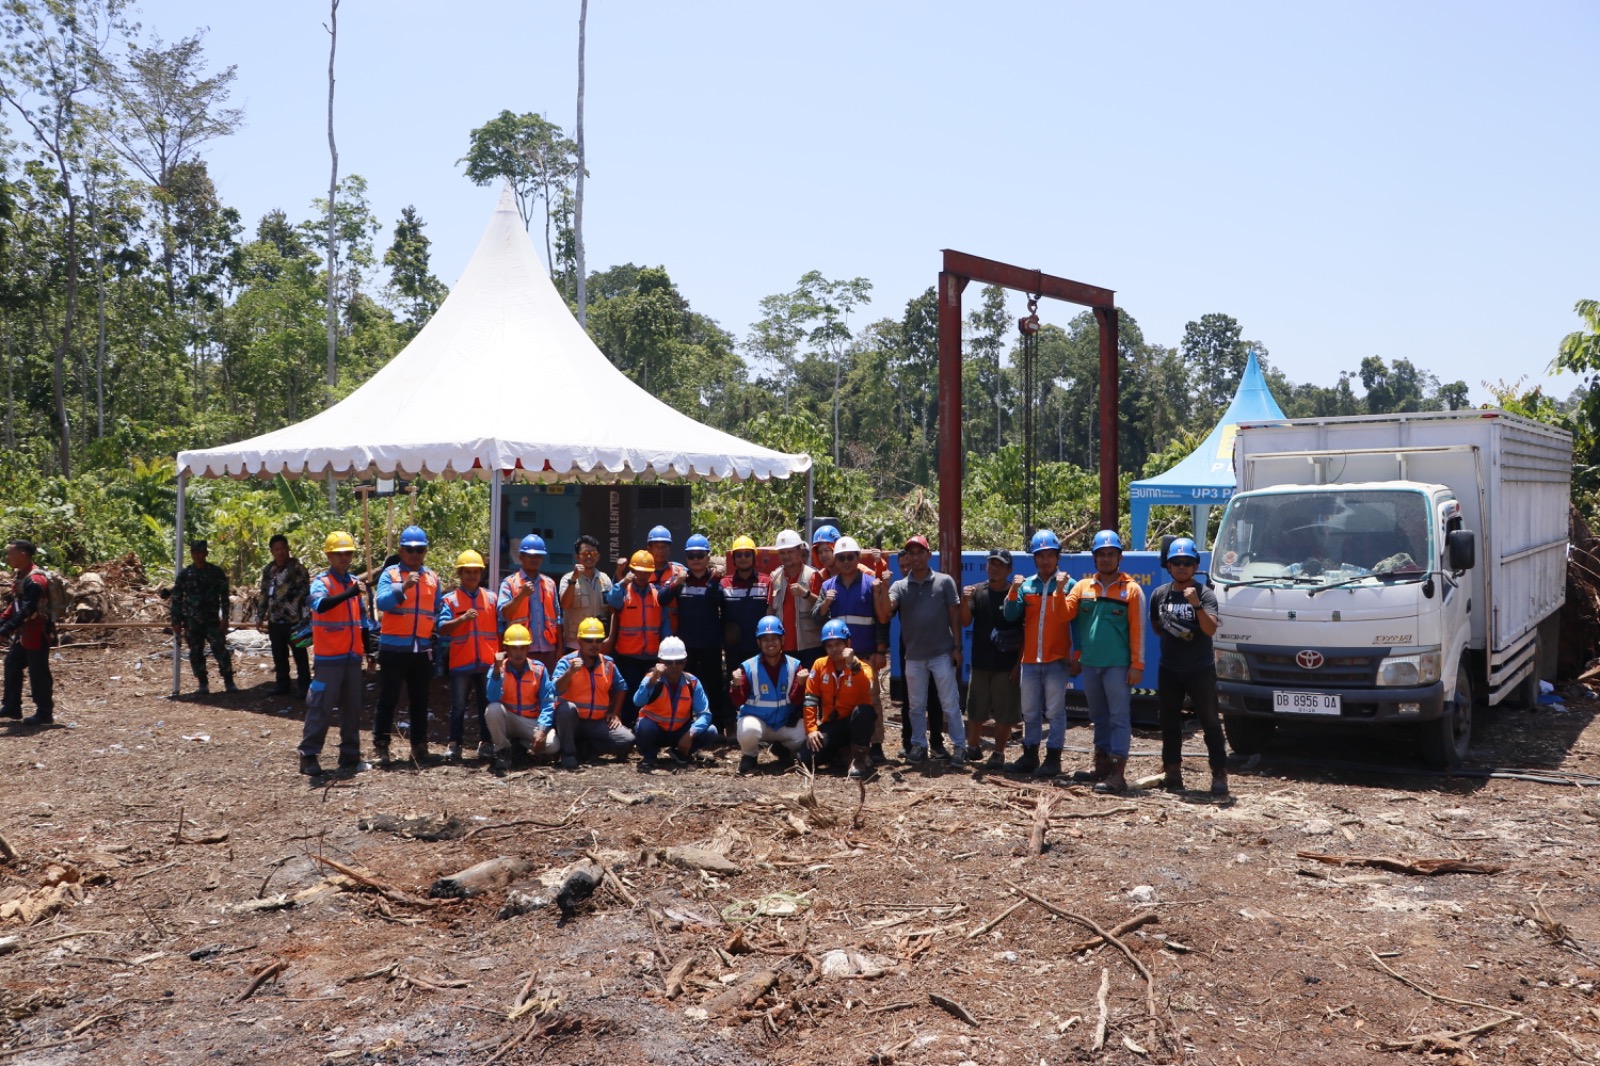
(285, 607)
(200, 615)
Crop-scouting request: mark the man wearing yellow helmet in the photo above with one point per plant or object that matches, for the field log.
(639, 623)
(589, 692)
(521, 701)
(338, 624)
(467, 620)
(744, 605)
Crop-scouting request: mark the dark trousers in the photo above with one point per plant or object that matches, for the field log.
(467, 687)
(842, 734)
(808, 656)
(589, 736)
(278, 633)
(651, 738)
(633, 669)
(413, 671)
(36, 663)
(198, 637)
(706, 664)
(1201, 688)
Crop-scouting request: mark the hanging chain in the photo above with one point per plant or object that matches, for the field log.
(1028, 326)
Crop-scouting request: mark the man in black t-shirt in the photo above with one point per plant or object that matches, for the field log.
(994, 691)
(1184, 616)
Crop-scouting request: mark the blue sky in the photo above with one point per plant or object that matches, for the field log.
(1404, 180)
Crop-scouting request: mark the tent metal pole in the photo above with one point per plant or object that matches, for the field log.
(810, 499)
(1202, 519)
(494, 532)
(177, 565)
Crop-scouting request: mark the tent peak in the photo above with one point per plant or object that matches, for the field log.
(508, 198)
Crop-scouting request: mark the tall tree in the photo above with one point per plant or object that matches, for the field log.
(1216, 356)
(332, 26)
(990, 325)
(407, 259)
(534, 156)
(49, 72)
(166, 108)
(577, 208)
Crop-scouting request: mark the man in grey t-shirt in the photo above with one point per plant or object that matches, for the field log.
(929, 605)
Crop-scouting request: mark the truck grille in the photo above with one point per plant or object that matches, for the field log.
(1280, 668)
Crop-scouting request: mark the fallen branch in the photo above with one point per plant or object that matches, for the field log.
(611, 880)
(265, 974)
(1041, 822)
(743, 995)
(368, 881)
(952, 1007)
(1417, 867)
(539, 826)
(996, 920)
(855, 819)
(1146, 918)
(1104, 934)
(480, 878)
(1445, 1040)
(1101, 1001)
(1409, 983)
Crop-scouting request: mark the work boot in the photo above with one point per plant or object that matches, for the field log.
(747, 765)
(40, 718)
(281, 689)
(916, 754)
(974, 752)
(1173, 781)
(354, 764)
(1051, 767)
(485, 749)
(1219, 783)
(309, 766)
(1114, 781)
(782, 756)
(380, 748)
(1102, 766)
(860, 763)
(204, 686)
(958, 759)
(421, 755)
(997, 760)
(938, 751)
(11, 712)
(1028, 763)
(569, 762)
(228, 685)
(875, 753)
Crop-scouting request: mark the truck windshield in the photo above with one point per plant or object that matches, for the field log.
(1310, 539)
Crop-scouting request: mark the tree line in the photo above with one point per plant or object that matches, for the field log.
(141, 315)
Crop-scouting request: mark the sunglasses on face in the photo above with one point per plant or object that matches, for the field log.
(845, 557)
(697, 555)
(1182, 562)
(411, 550)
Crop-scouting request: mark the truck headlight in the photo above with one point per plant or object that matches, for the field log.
(1409, 671)
(1231, 666)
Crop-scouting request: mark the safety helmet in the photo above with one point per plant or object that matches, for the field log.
(1183, 548)
(789, 539)
(591, 629)
(825, 535)
(469, 558)
(517, 636)
(1044, 540)
(642, 562)
(1107, 538)
(532, 544)
(769, 626)
(339, 541)
(697, 542)
(846, 545)
(659, 533)
(836, 629)
(672, 650)
(413, 537)
(742, 544)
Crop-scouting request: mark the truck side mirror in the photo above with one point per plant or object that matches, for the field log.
(1461, 548)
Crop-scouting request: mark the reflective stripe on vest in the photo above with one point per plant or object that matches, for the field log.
(336, 634)
(590, 690)
(551, 629)
(418, 610)
(639, 623)
(669, 713)
(475, 643)
(856, 619)
(519, 693)
(760, 693)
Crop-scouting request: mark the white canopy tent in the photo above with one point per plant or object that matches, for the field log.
(501, 383)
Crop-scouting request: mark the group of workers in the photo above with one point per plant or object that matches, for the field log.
(666, 658)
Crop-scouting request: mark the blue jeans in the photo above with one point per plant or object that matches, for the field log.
(651, 738)
(1110, 708)
(943, 673)
(1044, 695)
(464, 686)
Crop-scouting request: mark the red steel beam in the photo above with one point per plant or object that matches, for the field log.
(959, 269)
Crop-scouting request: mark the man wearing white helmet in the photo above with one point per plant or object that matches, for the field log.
(673, 710)
(790, 600)
(853, 595)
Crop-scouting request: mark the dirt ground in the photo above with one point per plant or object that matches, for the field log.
(167, 853)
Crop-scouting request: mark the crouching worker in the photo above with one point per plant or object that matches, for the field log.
(838, 709)
(521, 702)
(768, 689)
(589, 692)
(673, 710)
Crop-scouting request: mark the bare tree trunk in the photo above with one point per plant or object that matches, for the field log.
(333, 274)
(100, 314)
(577, 211)
(58, 373)
(838, 373)
(11, 438)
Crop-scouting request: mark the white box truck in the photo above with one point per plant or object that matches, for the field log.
(1389, 570)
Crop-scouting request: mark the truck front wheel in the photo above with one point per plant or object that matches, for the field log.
(1248, 735)
(1444, 741)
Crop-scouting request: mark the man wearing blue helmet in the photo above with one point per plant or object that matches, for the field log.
(1184, 616)
(768, 689)
(409, 595)
(700, 613)
(1108, 641)
(529, 598)
(667, 578)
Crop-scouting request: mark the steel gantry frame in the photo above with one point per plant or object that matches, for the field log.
(959, 269)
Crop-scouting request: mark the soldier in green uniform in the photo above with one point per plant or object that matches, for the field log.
(200, 615)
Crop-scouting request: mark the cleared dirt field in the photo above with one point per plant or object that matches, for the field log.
(168, 854)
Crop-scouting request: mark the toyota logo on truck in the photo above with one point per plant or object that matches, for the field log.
(1308, 659)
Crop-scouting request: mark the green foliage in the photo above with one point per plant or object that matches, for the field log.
(535, 158)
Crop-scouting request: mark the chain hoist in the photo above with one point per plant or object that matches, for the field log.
(1028, 326)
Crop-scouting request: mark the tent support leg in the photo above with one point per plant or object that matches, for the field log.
(494, 532)
(1202, 519)
(177, 565)
(811, 484)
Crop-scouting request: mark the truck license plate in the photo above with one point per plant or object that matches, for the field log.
(1306, 702)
